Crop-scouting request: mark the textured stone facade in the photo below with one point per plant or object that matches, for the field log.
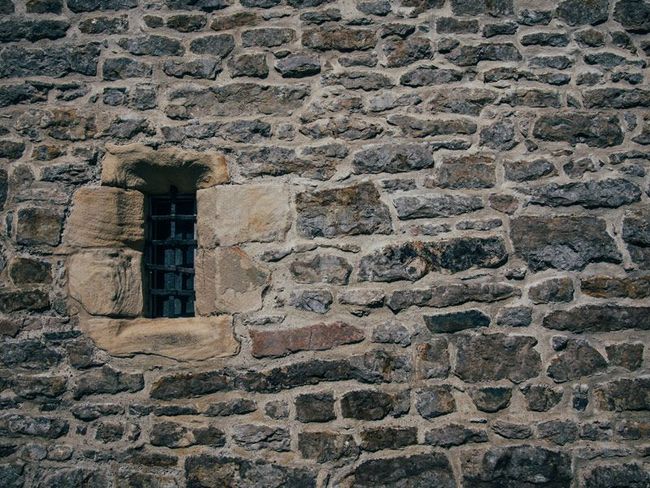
(423, 243)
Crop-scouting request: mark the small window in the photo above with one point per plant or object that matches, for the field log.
(169, 255)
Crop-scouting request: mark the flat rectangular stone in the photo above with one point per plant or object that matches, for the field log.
(106, 217)
(195, 338)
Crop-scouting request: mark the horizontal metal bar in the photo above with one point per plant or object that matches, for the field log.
(171, 293)
(166, 218)
(170, 268)
(174, 242)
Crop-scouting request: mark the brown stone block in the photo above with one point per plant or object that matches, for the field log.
(230, 215)
(228, 281)
(142, 168)
(107, 281)
(195, 338)
(106, 217)
(317, 337)
(39, 225)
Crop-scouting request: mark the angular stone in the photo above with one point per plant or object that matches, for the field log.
(321, 268)
(430, 75)
(415, 127)
(362, 297)
(576, 360)
(124, 68)
(632, 475)
(517, 466)
(205, 470)
(499, 136)
(551, 39)
(562, 242)
(16, 62)
(467, 101)
(27, 300)
(608, 193)
(636, 234)
(324, 447)
(515, 316)
(298, 66)
(552, 291)
(318, 337)
(541, 397)
(450, 294)
(186, 23)
(376, 439)
(267, 37)
(202, 68)
(471, 55)
(195, 338)
(532, 98)
(88, 412)
(456, 321)
(466, 172)
(628, 356)
(393, 158)
(107, 282)
(454, 435)
(391, 333)
(399, 53)
(493, 8)
(366, 405)
(415, 207)
(339, 39)
(578, 12)
(218, 46)
(315, 407)
(317, 301)
(492, 357)
(107, 380)
(617, 98)
(138, 167)
(352, 210)
(579, 128)
(228, 281)
(358, 80)
(39, 225)
(624, 395)
(278, 161)
(176, 435)
(242, 213)
(435, 401)
(152, 45)
(510, 430)
(430, 469)
(16, 425)
(599, 318)
(24, 271)
(528, 170)
(633, 15)
(106, 217)
(92, 5)
(491, 399)
(239, 406)
(28, 354)
(255, 437)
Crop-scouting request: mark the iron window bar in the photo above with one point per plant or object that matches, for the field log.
(169, 255)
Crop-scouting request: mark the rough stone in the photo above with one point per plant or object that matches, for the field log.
(624, 395)
(551, 291)
(176, 435)
(254, 437)
(633, 15)
(315, 407)
(394, 158)
(628, 356)
(632, 475)
(456, 321)
(608, 193)
(324, 447)
(339, 38)
(430, 469)
(466, 172)
(541, 397)
(579, 128)
(599, 318)
(415, 207)
(107, 380)
(491, 399)
(576, 360)
(636, 234)
(435, 401)
(455, 435)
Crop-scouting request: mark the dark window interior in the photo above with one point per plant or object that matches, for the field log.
(169, 256)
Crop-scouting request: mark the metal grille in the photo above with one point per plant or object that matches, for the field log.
(171, 244)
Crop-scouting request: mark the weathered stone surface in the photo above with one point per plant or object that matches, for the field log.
(376, 439)
(576, 12)
(228, 281)
(298, 66)
(579, 128)
(415, 207)
(517, 465)
(27, 271)
(431, 469)
(175, 435)
(394, 158)
(434, 401)
(358, 80)
(456, 321)
(107, 282)
(264, 217)
(495, 8)
(599, 318)
(632, 475)
(315, 407)
(492, 357)
(552, 290)
(254, 437)
(318, 337)
(142, 168)
(106, 217)
(339, 38)
(416, 127)
(609, 193)
(16, 425)
(633, 15)
(466, 172)
(202, 68)
(321, 268)
(195, 338)
(391, 333)
(324, 447)
(576, 360)
(107, 380)
(515, 316)
(624, 394)
(34, 300)
(317, 301)
(367, 404)
(239, 406)
(528, 170)
(123, 68)
(399, 53)
(628, 356)
(204, 470)
(455, 435)
(351, 210)
(39, 226)
(565, 243)
(491, 398)
(471, 55)
(55, 62)
(430, 75)
(511, 430)
(541, 397)
(636, 234)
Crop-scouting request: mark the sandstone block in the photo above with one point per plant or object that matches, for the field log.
(246, 213)
(107, 282)
(106, 217)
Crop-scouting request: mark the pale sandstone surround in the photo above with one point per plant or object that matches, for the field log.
(196, 338)
(228, 281)
(230, 215)
(106, 217)
(107, 281)
(153, 170)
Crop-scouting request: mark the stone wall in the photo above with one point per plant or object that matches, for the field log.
(424, 243)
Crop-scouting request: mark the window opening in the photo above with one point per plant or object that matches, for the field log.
(169, 254)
